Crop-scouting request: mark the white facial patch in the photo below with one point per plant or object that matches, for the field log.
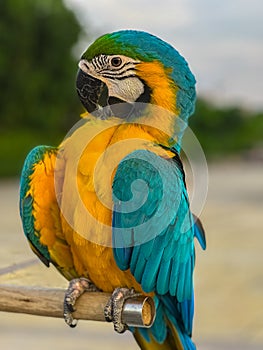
(128, 89)
(121, 80)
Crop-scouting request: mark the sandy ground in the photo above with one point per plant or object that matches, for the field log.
(228, 277)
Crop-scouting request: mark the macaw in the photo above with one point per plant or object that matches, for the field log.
(109, 206)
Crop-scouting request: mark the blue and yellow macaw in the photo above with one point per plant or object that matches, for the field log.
(109, 207)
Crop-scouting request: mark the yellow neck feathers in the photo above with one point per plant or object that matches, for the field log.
(163, 89)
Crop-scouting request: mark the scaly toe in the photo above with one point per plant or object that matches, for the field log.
(113, 309)
(76, 288)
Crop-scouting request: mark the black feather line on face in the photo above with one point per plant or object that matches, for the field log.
(125, 110)
(145, 97)
(120, 108)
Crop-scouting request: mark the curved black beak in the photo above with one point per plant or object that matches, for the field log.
(94, 95)
(92, 92)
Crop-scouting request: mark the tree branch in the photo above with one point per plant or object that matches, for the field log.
(90, 306)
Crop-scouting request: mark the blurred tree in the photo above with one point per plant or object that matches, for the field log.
(38, 103)
(225, 131)
(37, 69)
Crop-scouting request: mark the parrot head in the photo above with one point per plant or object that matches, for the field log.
(130, 66)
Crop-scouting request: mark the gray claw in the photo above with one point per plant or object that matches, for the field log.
(75, 289)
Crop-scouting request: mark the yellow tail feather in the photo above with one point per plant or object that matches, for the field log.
(172, 341)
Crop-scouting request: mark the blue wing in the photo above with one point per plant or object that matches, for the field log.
(153, 230)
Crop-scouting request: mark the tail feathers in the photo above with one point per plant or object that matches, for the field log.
(185, 339)
(174, 341)
(165, 334)
(152, 344)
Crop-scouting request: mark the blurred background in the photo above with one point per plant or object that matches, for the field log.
(40, 43)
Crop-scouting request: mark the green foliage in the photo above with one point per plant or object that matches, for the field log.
(226, 131)
(38, 103)
(15, 145)
(37, 69)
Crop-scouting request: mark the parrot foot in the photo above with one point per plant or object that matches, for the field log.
(75, 289)
(113, 308)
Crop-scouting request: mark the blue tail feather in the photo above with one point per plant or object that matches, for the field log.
(173, 320)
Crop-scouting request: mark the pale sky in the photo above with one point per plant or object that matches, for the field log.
(221, 40)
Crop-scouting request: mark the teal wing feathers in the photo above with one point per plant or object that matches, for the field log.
(155, 239)
(153, 233)
(27, 202)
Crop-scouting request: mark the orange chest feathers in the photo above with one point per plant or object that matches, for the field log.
(90, 158)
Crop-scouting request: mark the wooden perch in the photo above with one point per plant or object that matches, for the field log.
(138, 311)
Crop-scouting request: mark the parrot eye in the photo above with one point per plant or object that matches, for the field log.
(116, 61)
